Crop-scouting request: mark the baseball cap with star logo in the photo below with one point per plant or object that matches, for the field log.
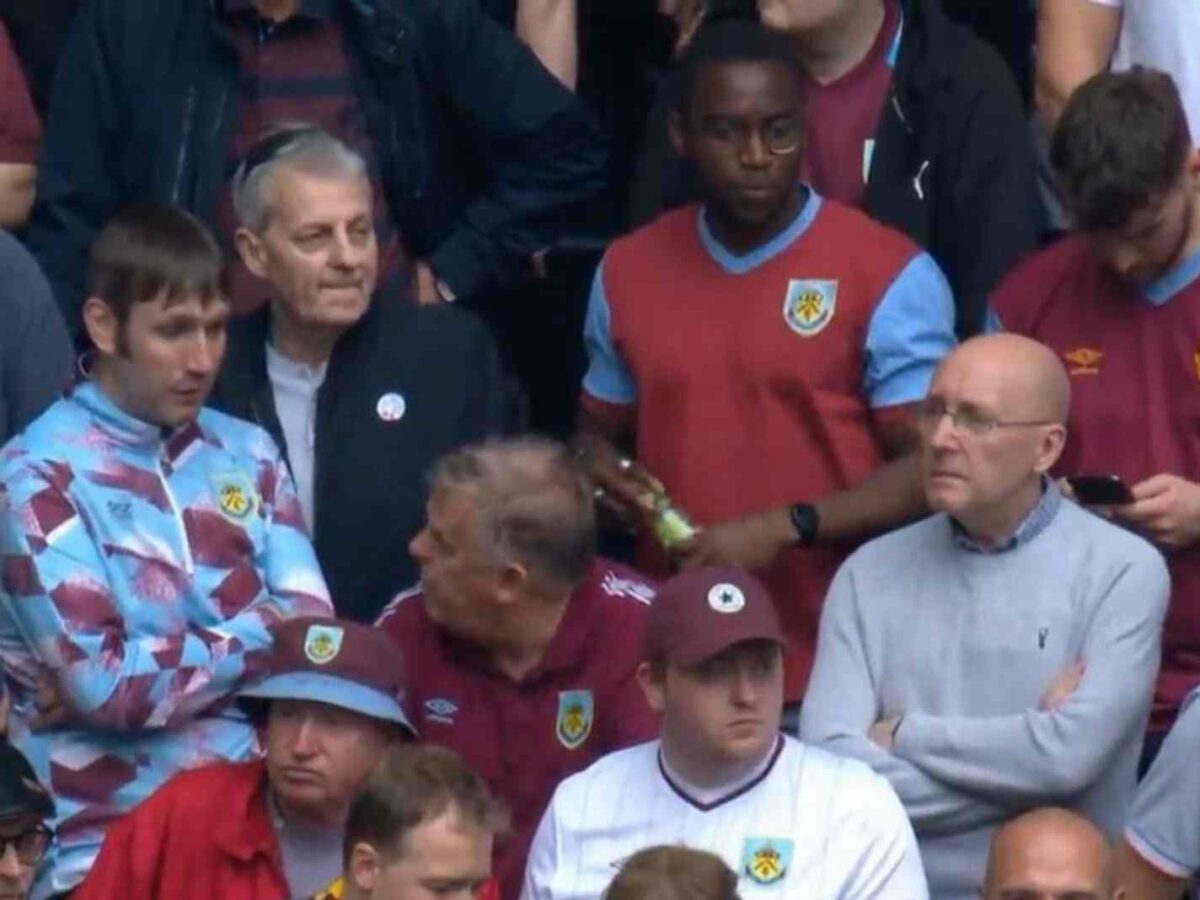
(701, 612)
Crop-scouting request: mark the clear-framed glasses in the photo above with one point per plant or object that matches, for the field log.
(780, 136)
(31, 844)
(967, 421)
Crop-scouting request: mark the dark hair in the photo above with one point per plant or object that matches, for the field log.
(149, 249)
(728, 40)
(673, 873)
(414, 784)
(1119, 146)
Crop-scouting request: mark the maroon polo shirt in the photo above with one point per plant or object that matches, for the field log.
(841, 118)
(581, 702)
(298, 71)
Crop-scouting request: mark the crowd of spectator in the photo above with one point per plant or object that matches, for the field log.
(567, 449)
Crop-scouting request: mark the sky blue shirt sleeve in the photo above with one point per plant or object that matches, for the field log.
(910, 331)
(607, 376)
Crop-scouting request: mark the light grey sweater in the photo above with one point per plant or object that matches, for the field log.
(963, 645)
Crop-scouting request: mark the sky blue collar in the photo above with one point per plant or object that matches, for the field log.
(1160, 291)
(740, 265)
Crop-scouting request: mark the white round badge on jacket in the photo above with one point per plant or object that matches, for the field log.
(391, 407)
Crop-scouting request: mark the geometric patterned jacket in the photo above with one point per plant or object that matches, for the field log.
(141, 570)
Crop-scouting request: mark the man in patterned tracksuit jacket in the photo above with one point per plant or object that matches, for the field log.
(147, 546)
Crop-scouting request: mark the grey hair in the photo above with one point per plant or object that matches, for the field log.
(309, 150)
(534, 504)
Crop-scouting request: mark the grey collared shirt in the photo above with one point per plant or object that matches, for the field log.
(295, 386)
(1031, 526)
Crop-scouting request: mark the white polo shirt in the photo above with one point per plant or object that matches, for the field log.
(807, 824)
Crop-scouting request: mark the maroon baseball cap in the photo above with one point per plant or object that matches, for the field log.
(701, 612)
(339, 662)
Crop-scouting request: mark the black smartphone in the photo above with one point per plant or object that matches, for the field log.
(1100, 490)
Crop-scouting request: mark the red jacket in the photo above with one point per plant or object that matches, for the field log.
(204, 834)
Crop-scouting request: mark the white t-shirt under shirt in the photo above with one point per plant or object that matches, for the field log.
(808, 824)
(295, 386)
(1165, 35)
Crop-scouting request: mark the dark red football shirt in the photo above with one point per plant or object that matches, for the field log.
(841, 118)
(581, 702)
(1133, 356)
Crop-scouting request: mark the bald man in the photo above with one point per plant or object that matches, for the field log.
(999, 655)
(1050, 854)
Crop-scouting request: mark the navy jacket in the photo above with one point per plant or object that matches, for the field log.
(480, 147)
(369, 473)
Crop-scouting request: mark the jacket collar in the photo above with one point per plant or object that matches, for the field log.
(923, 61)
(129, 431)
(247, 832)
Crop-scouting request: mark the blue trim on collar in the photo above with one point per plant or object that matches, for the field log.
(1160, 291)
(740, 265)
(894, 50)
(1032, 525)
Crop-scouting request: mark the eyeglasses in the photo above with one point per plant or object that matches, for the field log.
(779, 136)
(968, 421)
(272, 146)
(31, 845)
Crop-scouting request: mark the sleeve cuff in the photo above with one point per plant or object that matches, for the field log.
(459, 262)
(1153, 857)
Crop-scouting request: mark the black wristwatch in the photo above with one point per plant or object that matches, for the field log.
(806, 522)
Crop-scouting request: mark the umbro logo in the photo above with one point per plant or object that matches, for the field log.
(441, 710)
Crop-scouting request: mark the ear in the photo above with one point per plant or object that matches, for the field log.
(1050, 449)
(652, 687)
(102, 325)
(675, 132)
(513, 579)
(1191, 169)
(250, 249)
(363, 869)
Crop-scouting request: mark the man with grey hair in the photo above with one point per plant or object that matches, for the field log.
(362, 395)
(520, 645)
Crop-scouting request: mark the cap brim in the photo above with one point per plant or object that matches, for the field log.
(719, 643)
(332, 690)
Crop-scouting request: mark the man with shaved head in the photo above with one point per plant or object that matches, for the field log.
(999, 655)
(1050, 854)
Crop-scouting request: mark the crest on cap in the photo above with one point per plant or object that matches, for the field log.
(322, 643)
(576, 711)
(726, 598)
(766, 860)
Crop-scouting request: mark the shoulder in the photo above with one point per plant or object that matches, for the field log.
(237, 436)
(220, 785)
(403, 613)
(432, 331)
(889, 249)
(59, 433)
(913, 541)
(1118, 547)
(606, 777)
(19, 272)
(853, 787)
(1031, 284)
(675, 228)
(617, 586)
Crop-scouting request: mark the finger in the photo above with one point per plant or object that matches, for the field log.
(1145, 512)
(1064, 488)
(1153, 486)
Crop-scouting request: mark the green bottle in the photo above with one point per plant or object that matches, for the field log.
(671, 526)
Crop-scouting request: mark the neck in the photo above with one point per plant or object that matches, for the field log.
(303, 818)
(102, 376)
(829, 53)
(1191, 244)
(277, 10)
(536, 623)
(992, 527)
(740, 239)
(702, 770)
(303, 344)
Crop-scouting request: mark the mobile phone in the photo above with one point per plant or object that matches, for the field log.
(1100, 490)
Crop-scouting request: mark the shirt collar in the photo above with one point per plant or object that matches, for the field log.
(129, 431)
(1031, 526)
(739, 265)
(1160, 291)
(247, 832)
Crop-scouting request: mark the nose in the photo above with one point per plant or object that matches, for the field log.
(347, 253)
(205, 355)
(417, 546)
(10, 866)
(943, 433)
(745, 687)
(755, 154)
(304, 744)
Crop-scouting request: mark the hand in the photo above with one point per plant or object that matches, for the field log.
(624, 488)
(883, 733)
(752, 542)
(52, 710)
(1063, 686)
(687, 16)
(1166, 509)
(424, 285)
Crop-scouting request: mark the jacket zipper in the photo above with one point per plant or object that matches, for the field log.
(189, 565)
(189, 113)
